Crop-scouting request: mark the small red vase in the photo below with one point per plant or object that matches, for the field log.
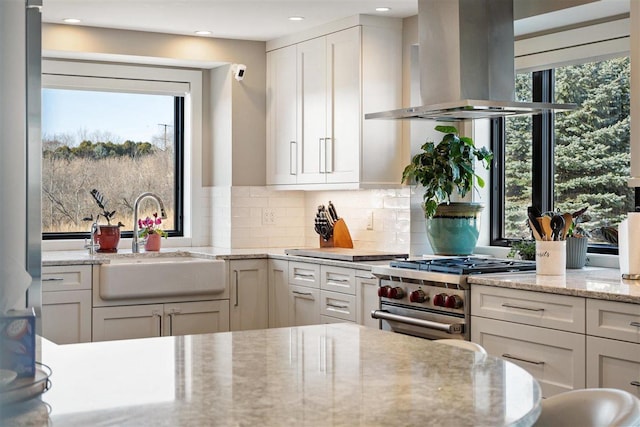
(153, 243)
(108, 237)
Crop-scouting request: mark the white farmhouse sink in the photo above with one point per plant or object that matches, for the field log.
(161, 276)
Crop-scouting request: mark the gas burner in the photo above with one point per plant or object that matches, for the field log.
(465, 265)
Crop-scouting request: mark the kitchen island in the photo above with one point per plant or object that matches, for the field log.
(335, 374)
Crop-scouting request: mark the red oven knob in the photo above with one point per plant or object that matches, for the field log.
(395, 293)
(383, 291)
(418, 296)
(439, 300)
(453, 301)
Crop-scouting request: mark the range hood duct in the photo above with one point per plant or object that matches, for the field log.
(467, 63)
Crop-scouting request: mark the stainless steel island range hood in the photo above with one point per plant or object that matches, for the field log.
(467, 63)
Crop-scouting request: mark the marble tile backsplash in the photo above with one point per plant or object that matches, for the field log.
(258, 217)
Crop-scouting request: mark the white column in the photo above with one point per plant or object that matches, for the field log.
(634, 181)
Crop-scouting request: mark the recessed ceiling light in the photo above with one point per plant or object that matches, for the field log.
(383, 9)
(296, 18)
(203, 33)
(71, 20)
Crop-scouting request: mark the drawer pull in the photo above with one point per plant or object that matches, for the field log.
(53, 279)
(636, 324)
(519, 307)
(635, 383)
(338, 306)
(535, 362)
(306, 275)
(339, 280)
(306, 294)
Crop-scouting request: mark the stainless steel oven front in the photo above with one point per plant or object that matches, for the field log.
(425, 309)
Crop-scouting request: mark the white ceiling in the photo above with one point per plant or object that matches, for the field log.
(267, 20)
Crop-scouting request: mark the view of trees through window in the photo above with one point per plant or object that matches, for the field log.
(591, 161)
(121, 144)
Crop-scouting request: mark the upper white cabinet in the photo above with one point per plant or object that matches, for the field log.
(318, 91)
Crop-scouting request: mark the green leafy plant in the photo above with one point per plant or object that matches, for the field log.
(446, 167)
(150, 226)
(526, 249)
(102, 204)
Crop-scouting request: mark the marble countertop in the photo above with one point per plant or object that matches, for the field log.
(321, 375)
(589, 282)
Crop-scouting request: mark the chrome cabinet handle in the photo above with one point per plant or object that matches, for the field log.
(519, 307)
(306, 294)
(236, 274)
(635, 383)
(53, 279)
(293, 158)
(339, 280)
(522, 359)
(328, 155)
(337, 306)
(158, 316)
(306, 275)
(322, 155)
(636, 324)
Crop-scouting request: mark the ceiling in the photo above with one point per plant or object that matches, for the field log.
(266, 20)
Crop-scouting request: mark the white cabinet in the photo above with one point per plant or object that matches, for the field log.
(338, 293)
(278, 293)
(367, 299)
(339, 77)
(613, 345)
(304, 305)
(66, 303)
(249, 301)
(154, 320)
(542, 333)
(282, 162)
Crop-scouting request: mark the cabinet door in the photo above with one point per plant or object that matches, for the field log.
(555, 358)
(304, 306)
(282, 144)
(201, 317)
(312, 107)
(278, 293)
(124, 322)
(66, 316)
(367, 300)
(613, 364)
(342, 146)
(249, 294)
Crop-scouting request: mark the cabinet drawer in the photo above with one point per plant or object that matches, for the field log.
(66, 278)
(328, 319)
(555, 358)
(338, 279)
(613, 364)
(339, 305)
(611, 319)
(531, 308)
(304, 274)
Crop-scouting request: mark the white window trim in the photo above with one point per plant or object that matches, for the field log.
(147, 79)
(576, 46)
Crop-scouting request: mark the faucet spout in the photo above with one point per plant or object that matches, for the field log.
(135, 241)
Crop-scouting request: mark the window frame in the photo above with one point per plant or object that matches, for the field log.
(189, 84)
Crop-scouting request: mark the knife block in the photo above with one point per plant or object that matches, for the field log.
(341, 237)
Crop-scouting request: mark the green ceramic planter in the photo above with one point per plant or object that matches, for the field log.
(455, 228)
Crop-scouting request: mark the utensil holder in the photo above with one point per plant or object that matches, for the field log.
(551, 257)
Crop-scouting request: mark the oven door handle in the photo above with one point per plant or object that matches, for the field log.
(451, 328)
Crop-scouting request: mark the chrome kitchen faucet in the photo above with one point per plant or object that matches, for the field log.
(135, 243)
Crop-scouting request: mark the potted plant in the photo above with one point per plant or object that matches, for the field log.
(525, 249)
(148, 230)
(443, 169)
(577, 239)
(107, 236)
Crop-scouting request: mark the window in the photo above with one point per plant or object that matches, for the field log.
(122, 141)
(569, 160)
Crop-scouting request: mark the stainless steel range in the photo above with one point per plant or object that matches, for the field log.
(429, 298)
